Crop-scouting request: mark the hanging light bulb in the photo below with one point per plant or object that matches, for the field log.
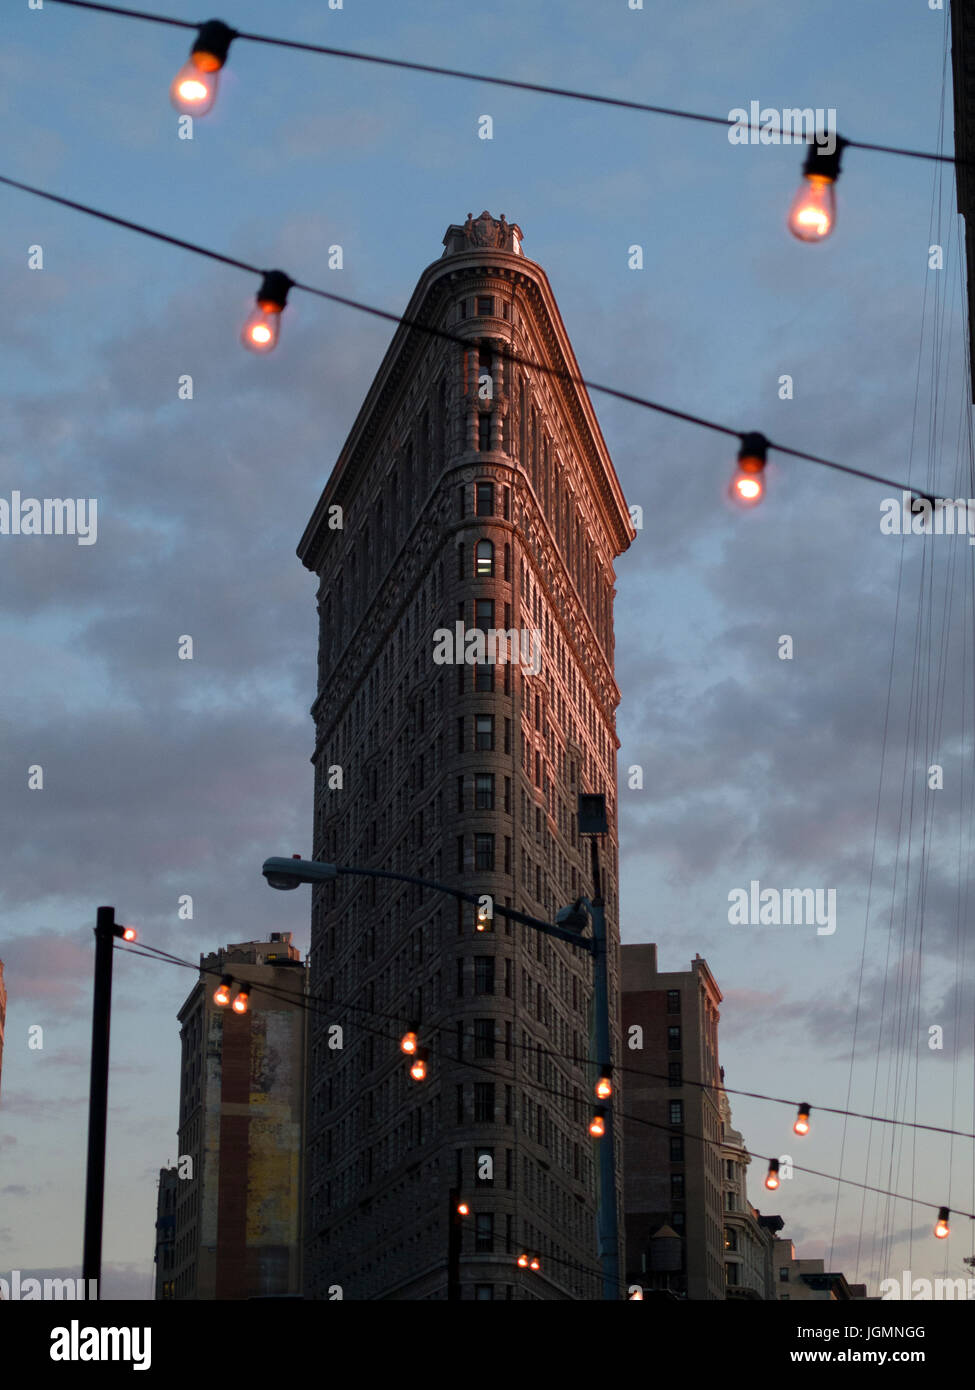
(801, 1125)
(129, 933)
(597, 1125)
(813, 212)
(942, 1228)
(748, 484)
(522, 1261)
(772, 1176)
(408, 1042)
(221, 995)
(260, 332)
(418, 1070)
(194, 88)
(463, 1209)
(604, 1087)
(241, 999)
(535, 1263)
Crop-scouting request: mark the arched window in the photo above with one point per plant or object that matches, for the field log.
(484, 559)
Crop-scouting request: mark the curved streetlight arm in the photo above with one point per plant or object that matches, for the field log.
(288, 873)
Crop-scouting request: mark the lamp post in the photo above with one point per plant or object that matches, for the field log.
(289, 873)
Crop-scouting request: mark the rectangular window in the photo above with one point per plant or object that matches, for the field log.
(784, 1274)
(460, 977)
(673, 1038)
(485, 306)
(484, 432)
(484, 1292)
(460, 738)
(485, 499)
(484, 791)
(460, 854)
(460, 1112)
(677, 1148)
(483, 613)
(483, 677)
(484, 1234)
(484, 852)
(676, 1112)
(677, 1185)
(673, 1001)
(460, 794)
(674, 1074)
(483, 1102)
(484, 1037)
(730, 1238)
(483, 974)
(484, 733)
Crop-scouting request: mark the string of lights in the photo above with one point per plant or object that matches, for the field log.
(216, 30)
(222, 996)
(421, 1074)
(772, 1180)
(261, 333)
(801, 1126)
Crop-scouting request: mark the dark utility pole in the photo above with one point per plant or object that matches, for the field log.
(105, 933)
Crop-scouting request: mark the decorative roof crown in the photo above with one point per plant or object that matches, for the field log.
(483, 232)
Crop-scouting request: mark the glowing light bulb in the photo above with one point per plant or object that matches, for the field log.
(221, 995)
(942, 1228)
(535, 1264)
(801, 1125)
(604, 1087)
(418, 1070)
(408, 1042)
(194, 88)
(522, 1261)
(463, 1209)
(772, 1176)
(748, 484)
(597, 1125)
(812, 215)
(260, 332)
(240, 1004)
(813, 210)
(129, 934)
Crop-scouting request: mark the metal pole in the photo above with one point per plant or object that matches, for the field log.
(454, 1229)
(98, 1098)
(609, 1248)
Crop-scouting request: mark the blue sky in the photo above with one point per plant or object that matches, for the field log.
(165, 777)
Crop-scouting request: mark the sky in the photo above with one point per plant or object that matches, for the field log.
(164, 777)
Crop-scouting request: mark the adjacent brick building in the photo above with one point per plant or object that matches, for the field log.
(228, 1227)
(673, 1130)
(470, 491)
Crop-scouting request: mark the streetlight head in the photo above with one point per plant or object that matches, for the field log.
(289, 873)
(573, 918)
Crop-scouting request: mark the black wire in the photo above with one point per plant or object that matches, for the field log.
(336, 1006)
(445, 335)
(544, 88)
(527, 1082)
